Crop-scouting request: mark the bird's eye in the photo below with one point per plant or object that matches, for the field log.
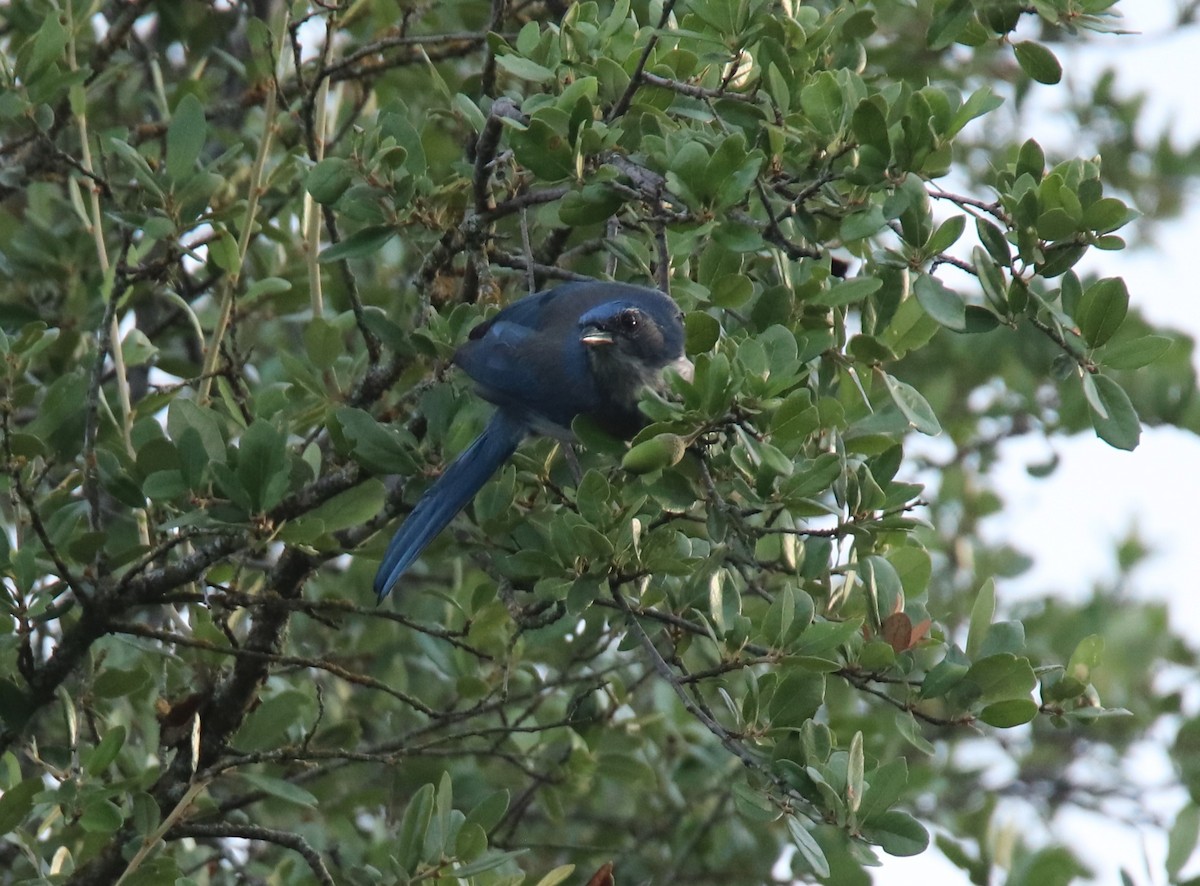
(629, 320)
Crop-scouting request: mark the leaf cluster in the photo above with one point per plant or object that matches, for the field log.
(237, 252)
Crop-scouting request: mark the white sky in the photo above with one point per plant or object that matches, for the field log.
(1070, 523)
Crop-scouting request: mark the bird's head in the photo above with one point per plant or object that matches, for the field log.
(635, 337)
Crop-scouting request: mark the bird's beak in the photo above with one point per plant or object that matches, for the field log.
(593, 335)
(684, 368)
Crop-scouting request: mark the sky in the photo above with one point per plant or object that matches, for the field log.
(1068, 522)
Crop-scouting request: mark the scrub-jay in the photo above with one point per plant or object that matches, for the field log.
(578, 349)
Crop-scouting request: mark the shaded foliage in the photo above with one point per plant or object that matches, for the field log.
(239, 243)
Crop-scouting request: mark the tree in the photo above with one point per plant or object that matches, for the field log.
(239, 243)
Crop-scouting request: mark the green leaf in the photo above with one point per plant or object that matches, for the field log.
(980, 103)
(1070, 292)
(701, 332)
(910, 730)
(106, 751)
(732, 290)
(362, 242)
(821, 101)
(1092, 394)
(883, 585)
(324, 342)
(413, 827)
(865, 223)
(1102, 310)
(1120, 426)
(1056, 224)
(847, 292)
(916, 219)
(807, 847)
(489, 812)
(777, 624)
(913, 406)
(543, 150)
(1181, 840)
(137, 349)
(948, 23)
(991, 279)
(470, 842)
(557, 876)
(197, 432)
(186, 134)
(870, 128)
(1006, 714)
(944, 676)
(1004, 636)
(1107, 214)
(626, 768)
(982, 613)
(146, 815)
(156, 872)
(470, 111)
(946, 235)
(941, 303)
(752, 805)
(48, 44)
(351, 507)
(329, 179)
(489, 862)
(897, 833)
(437, 841)
(797, 698)
(1038, 62)
(119, 682)
(824, 637)
(1002, 677)
(374, 446)
(267, 724)
(993, 241)
(262, 465)
(280, 788)
(855, 767)
(525, 68)
(1134, 353)
(17, 802)
(593, 203)
(886, 785)
(1031, 160)
(101, 816)
(223, 250)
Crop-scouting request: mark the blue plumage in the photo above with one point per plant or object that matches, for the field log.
(578, 349)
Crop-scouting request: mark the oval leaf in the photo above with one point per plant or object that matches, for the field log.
(1102, 309)
(941, 302)
(1038, 62)
(808, 847)
(1120, 427)
(913, 406)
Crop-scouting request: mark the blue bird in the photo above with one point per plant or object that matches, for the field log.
(577, 349)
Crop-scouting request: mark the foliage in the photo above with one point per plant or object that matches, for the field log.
(239, 243)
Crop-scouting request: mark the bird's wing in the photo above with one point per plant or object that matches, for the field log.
(540, 374)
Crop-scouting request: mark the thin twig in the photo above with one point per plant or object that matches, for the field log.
(149, 633)
(224, 830)
(635, 79)
(254, 191)
(700, 92)
(153, 839)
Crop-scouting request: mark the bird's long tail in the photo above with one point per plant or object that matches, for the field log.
(447, 496)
